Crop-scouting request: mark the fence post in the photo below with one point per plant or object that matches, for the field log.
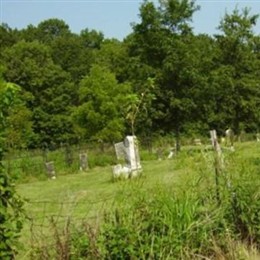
(218, 160)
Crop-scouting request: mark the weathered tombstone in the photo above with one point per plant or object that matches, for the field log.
(132, 154)
(128, 149)
(50, 170)
(120, 150)
(83, 162)
(230, 138)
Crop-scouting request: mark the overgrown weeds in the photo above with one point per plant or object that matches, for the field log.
(179, 220)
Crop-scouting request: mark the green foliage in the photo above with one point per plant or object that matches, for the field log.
(171, 211)
(7, 94)
(244, 202)
(200, 82)
(136, 104)
(50, 29)
(113, 55)
(101, 113)
(237, 71)
(10, 203)
(71, 54)
(49, 87)
(7, 38)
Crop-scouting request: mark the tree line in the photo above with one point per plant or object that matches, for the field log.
(161, 79)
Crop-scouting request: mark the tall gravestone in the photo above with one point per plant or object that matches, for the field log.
(128, 150)
(132, 153)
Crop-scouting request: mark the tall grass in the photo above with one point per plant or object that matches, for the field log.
(175, 218)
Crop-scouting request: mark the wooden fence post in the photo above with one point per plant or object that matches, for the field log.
(218, 161)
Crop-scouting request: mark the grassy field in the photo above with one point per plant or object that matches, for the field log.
(80, 197)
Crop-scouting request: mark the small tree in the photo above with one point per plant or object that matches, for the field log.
(10, 203)
(135, 104)
(99, 115)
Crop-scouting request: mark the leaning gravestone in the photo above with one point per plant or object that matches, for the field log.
(83, 162)
(120, 150)
(130, 153)
(50, 170)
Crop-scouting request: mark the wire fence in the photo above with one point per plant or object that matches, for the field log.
(40, 163)
(41, 223)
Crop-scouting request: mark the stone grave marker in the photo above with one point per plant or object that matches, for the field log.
(130, 152)
(50, 170)
(83, 162)
(120, 150)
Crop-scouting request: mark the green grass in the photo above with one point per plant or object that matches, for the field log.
(83, 195)
(87, 195)
(87, 192)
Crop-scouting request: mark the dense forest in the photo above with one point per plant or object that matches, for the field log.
(161, 79)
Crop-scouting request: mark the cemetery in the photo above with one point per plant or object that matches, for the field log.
(142, 148)
(91, 191)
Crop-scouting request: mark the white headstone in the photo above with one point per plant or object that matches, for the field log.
(129, 151)
(132, 153)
